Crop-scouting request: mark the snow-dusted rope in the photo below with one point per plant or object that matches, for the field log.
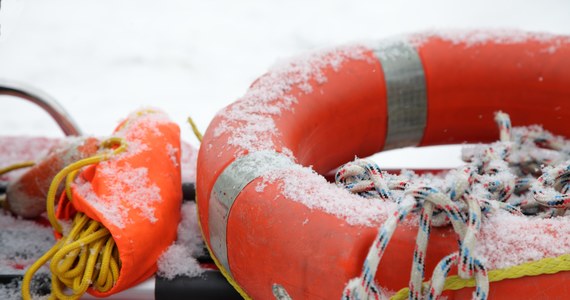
(551, 189)
(494, 174)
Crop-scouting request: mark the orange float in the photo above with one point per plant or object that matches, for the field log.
(136, 196)
(273, 225)
(26, 196)
(122, 208)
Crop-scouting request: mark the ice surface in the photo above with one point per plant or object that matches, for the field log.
(22, 242)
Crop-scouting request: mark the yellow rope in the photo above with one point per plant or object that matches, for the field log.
(86, 255)
(74, 167)
(549, 265)
(197, 132)
(13, 167)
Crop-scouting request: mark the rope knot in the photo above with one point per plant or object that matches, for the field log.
(552, 188)
(364, 178)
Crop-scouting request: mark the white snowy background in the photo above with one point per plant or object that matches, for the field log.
(102, 59)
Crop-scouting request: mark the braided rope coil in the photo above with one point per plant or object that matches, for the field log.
(498, 176)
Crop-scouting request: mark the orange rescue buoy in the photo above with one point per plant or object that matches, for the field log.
(26, 196)
(136, 196)
(124, 208)
(275, 227)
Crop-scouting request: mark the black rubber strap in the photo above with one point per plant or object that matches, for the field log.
(211, 285)
(3, 187)
(188, 191)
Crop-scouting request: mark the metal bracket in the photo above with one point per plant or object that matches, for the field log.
(46, 102)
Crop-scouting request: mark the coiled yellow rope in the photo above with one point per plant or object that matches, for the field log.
(86, 255)
(549, 265)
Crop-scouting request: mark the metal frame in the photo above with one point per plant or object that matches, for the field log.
(43, 100)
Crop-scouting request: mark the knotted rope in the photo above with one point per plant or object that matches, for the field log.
(494, 174)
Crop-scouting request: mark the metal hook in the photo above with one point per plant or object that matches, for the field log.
(46, 102)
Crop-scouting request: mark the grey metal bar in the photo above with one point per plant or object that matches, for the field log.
(43, 100)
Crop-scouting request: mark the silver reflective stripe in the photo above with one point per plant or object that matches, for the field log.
(229, 184)
(280, 293)
(407, 97)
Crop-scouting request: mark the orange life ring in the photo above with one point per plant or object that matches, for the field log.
(269, 222)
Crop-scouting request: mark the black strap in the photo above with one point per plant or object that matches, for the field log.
(211, 285)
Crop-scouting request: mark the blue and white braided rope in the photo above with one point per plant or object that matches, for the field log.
(485, 185)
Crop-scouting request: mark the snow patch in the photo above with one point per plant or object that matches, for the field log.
(507, 240)
(22, 243)
(250, 120)
(305, 186)
(13, 289)
(188, 161)
(180, 258)
(153, 117)
(130, 185)
(172, 154)
(177, 261)
(470, 38)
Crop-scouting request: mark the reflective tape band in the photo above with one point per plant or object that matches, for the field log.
(235, 177)
(406, 93)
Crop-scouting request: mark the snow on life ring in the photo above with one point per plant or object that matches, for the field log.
(271, 223)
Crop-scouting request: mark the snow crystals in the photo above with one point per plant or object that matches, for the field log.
(180, 258)
(250, 120)
(478, 37)
(23, 242)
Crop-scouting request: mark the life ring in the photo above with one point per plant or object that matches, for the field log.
(270, 223)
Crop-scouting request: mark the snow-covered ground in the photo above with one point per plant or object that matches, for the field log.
(102, 59)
